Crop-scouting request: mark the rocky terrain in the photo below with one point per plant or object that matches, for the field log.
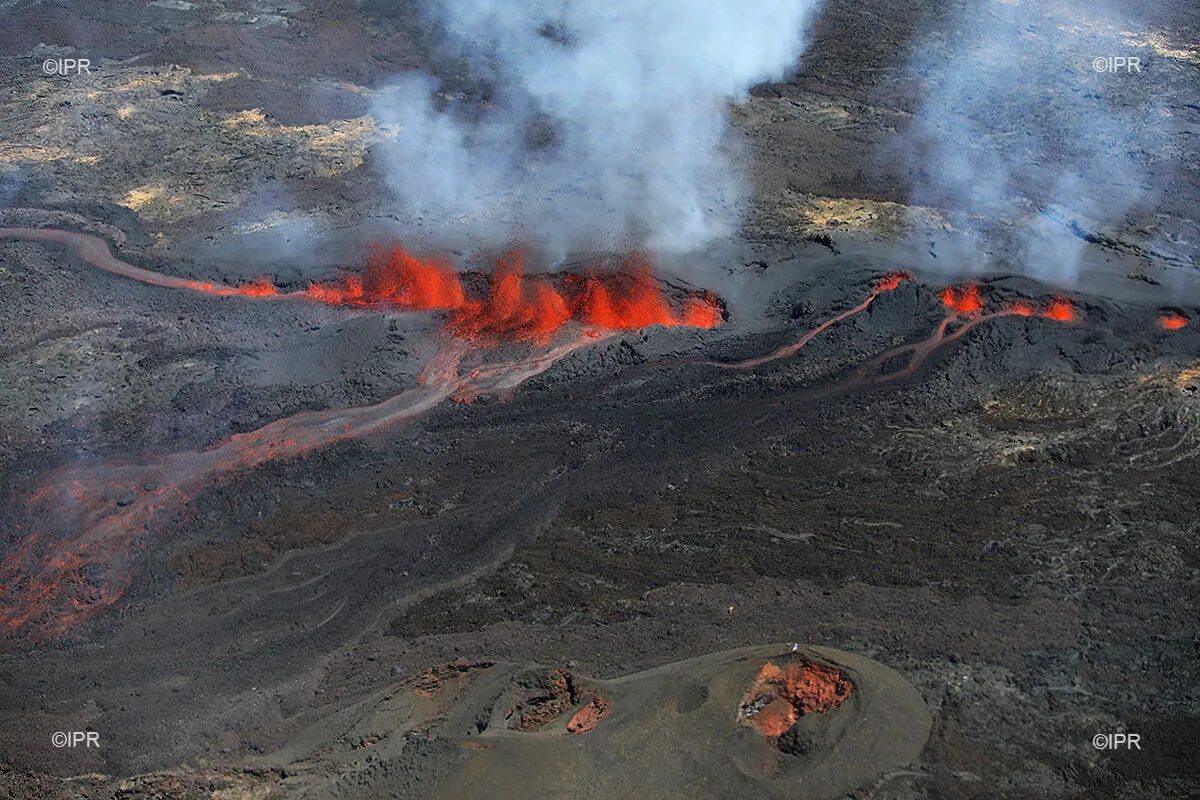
(1006, 521)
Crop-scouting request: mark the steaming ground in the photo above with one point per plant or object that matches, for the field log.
(1012, 530)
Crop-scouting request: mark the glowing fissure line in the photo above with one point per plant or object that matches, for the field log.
(516, 307)
(55, 583)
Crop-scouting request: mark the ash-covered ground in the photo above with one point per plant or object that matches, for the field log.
(1011, 528)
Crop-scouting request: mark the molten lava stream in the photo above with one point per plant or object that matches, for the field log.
(95, 252)
(108, 509)
(885, 284)
(965, 307)
(517, 308)
(52, 583)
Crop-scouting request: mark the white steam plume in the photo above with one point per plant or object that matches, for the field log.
(1023, 142)
(607, 120)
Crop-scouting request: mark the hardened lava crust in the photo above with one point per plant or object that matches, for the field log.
(505, 521)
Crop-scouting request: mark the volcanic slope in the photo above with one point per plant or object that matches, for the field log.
(987, 524)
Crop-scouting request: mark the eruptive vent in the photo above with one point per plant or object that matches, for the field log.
(516, 307)
(965, 306)
(1172, 320)
(965, 300)
(780, 695)
(79, 526)
(522, 309)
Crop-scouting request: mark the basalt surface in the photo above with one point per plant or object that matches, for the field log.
(1002, 509)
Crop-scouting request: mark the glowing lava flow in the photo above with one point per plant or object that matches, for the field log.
(1172, 320)
(51, 584)
(965, 307)
(94, 251)
(887, 283)
(516, 308)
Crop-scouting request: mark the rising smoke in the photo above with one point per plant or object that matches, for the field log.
(1022, 142)
(605, 122)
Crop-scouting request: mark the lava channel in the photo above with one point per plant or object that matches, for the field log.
(965, 311)
(887, 283)
(50, 584)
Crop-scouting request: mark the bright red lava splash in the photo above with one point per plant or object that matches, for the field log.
(91, 519)
(395, 277)
(1172, 320)
(516, 307)
(964, 300)
(1060, 310)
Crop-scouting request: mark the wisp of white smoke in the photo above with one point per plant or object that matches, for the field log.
(1022, 142)
(607, 121)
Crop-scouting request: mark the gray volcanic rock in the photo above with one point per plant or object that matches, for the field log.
(682, 730)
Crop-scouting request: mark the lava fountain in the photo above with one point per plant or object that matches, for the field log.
(517, 307)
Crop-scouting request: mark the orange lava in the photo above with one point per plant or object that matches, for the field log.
(631, 299)
(779, 695)
(887, 283)
(1021, 309)
(1060, 310)
(519, 308)
(393, 276)
(968, 301)
(1172, 320)
(892, 281)
(588, 717)
(511, 309)
(964, 300)
(259, 288)
(93, 518)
